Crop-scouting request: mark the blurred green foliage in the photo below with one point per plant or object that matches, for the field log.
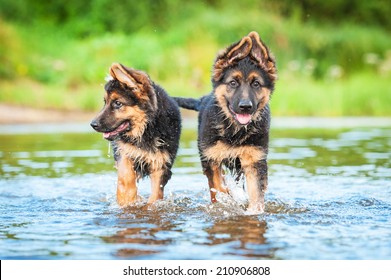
(338, 11)
(59, 51)
(94, 17)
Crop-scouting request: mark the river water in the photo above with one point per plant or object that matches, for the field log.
(329, 197)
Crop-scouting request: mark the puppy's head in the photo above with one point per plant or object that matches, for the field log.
(129, 101)
(243, 79)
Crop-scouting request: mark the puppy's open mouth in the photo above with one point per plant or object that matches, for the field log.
(243, 119)
(114, 133)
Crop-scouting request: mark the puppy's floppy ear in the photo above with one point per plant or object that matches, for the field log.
(261, 54)
(230, 56)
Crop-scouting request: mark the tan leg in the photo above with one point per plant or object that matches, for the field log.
(215, 180)
(256, 179)
(126, 185)
(256, 195)
(157, 190)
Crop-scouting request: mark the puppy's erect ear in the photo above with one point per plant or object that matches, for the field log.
(261, 54)
(122, 74)
(230, 56)
(240, 50)
(136, 80)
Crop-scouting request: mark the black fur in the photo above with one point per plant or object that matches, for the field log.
(188, 103)
(234, 120)
(143, 125)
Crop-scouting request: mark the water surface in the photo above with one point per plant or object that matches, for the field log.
(329, 197)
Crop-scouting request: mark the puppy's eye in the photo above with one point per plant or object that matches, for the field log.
(117, 104)
(233, 84)
(256, 84)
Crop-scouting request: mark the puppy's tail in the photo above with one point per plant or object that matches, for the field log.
(188, 103)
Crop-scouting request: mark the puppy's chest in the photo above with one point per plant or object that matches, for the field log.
(154, 157)
(223, 151)
(235, 136)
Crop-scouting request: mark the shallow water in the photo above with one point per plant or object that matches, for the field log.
(329, 197)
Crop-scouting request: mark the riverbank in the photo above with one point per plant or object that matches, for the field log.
(12, 114)
(19, 119)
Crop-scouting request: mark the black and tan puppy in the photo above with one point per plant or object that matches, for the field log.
(234, 120)
(143, 124)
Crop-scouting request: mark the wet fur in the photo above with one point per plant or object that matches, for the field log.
(149, 145)
(222, 140)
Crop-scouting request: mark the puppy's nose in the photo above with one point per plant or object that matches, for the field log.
(94, 124)
(245, 105)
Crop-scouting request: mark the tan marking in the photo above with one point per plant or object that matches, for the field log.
(156, 186)
(215, 181)
(114, 96)
(255, 194)
(221, 151)
(156, 160)
(135, 114)
(237, 75)
(138, 118)
(265, 97)
(221, 95)
(126, 185)
(254, 75)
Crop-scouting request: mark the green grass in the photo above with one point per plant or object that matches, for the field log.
(324, 70)
(363, 93)
(51, 96)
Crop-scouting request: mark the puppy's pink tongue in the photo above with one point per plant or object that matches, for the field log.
(107, 135)
(243, 118)
(119, 129)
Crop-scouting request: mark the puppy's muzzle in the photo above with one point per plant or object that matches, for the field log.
(245, 106)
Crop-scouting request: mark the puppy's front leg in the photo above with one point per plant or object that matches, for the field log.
(158, 183)
(256, 177)
(126, 185)
(212, 170)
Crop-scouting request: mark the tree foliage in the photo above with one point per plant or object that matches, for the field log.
(84, 18)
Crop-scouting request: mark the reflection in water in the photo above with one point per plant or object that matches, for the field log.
(245, 236)
(147, 233)
(144, 236)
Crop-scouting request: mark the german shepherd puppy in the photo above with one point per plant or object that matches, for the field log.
(234, 120)
(143, 124)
